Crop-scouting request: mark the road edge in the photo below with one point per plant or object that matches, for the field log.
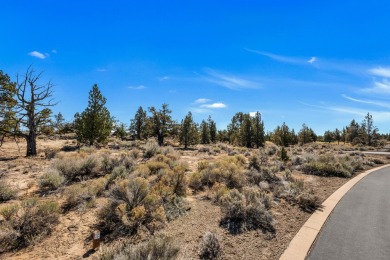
(301, 244)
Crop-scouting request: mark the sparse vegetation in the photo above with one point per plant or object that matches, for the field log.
(243, 212)
(27, 224)
(6, 192)
(158, 247)
(210, 248)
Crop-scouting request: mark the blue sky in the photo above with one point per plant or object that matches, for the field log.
(322, 63)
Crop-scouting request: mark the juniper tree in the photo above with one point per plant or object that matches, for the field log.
(138, 124)
(94, 125)
(212, 129)
(160, 122)
(204, 132)
(368, 129)
(258, 130)
(188, 131)
(24, 107)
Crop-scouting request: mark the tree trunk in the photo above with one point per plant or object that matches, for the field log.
(31, 144)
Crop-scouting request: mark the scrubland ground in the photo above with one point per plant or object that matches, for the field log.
(254, 200)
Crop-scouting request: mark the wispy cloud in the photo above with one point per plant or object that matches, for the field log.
(54, 51)
(101, 70)
(38, 55)
(214, 105)
(312, 60)
(164, 78)
(202, 100)
(281, 58)
(369, 102)
(378, 88)
(140, 87)
(230, 81)
(380, 71)
(380, 116)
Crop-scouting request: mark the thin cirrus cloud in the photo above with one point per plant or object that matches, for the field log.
(281, 58)
(202, 100)
(230, 81)
(214, 105)
(368, 102)
(140, 87)
(38, 55)
(380, 71)
(380, 116)
(378, 88)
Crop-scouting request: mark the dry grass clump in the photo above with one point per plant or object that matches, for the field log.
(331, 165)
(210, 248)
(6, 192)
(159, 247)
(27, 223)
(50, 181)
(243, 213)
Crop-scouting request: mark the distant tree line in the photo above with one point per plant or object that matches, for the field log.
(25, 113)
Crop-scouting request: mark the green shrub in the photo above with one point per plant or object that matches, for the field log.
(50, 181)
(159, 247)
(330, 165)
(78, 197)
(131, 205)
(308, 202)
(151, 148)
(78, 169)
(6, 192)
(210, 248)
(33, 221)
(242, 214)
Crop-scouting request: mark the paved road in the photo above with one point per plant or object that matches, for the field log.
(359, 227)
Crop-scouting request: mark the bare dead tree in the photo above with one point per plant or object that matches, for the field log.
(30, 109)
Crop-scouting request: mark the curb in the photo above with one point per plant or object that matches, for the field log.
(301, 244)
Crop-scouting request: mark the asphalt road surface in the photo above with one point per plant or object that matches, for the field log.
(359, 227)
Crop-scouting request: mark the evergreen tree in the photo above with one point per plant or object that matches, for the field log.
(337, 135)
(213, 130)
(306, 135)
(283, 136)
(138, 124)
(204, 133)
(188, 131)
(369, 130)
(94, 125)
(258, 130)
(59, 121)
(246, 132)
(160, 122)
(352, 132)
(328, 136)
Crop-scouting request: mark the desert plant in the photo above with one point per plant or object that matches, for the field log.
(78, 169)
(159, 247)
(210, 247)
(50, 181)
(6, 192)
(33, 221)
(308, 202)
(151, 148)
(78, 197)
(242, 214)
(131, 205)
(50, 153)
